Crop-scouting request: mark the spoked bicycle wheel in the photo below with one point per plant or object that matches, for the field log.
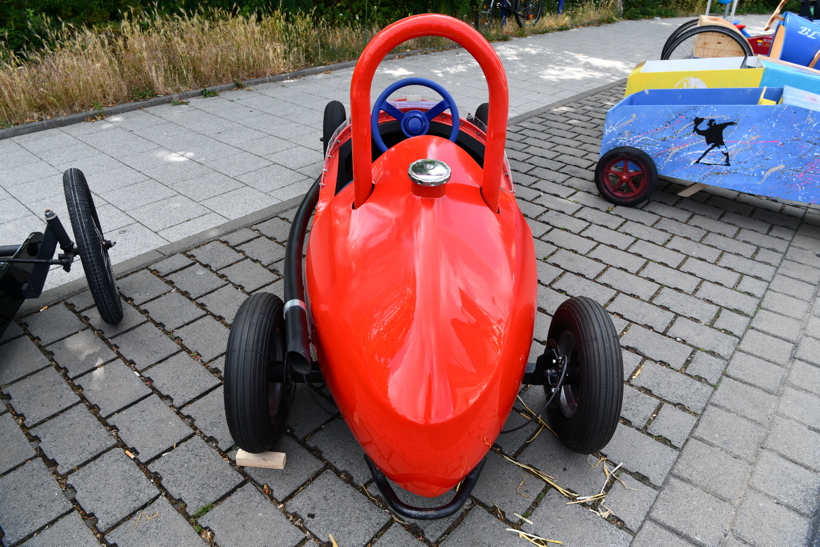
(708, 41)
(92, 246)
(483, 15)
(492, 12)
(527, 12)
(674, 36)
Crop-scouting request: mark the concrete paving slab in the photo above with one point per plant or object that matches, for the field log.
(130, 316)
(781, 524)
(205, 337)
(112, 387)
(570, 470)
(150, 427)
(181, 378)
(573, 525)
(20, 357)
(31, 499)
(672, 424)
(111, 488)
(326, 505)
(230, 527)
(301, 466)
(52, 324)
(69, 530)
(507, 486)
(166, 526)
(173, 310)
(14, 446)
(196, 474)
(60, 442)
(208, 414)
(224, 302)
(145, 345)
(81, 352)
(142, 286)
(630, 501)
(396, 536)
(479, 528)
(41, 395)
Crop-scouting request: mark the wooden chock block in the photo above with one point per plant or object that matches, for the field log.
(691, 189)
(266, 460)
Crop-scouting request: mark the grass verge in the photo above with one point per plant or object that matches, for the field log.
(154, 54)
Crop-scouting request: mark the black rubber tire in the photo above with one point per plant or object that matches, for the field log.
(677, 32)
(642, 176)
(583, 330)
(482, 113)
(527, 12)
(90, 241)
(334, 116)
(256, 406)
(683, 46)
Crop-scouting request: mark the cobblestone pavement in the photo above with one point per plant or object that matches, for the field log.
(165, 173)
(117, 434)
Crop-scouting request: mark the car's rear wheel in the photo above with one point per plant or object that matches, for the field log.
(586, 411)
(334, 116)
(258, 390)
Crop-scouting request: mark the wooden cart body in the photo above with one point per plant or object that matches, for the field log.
(763, 141)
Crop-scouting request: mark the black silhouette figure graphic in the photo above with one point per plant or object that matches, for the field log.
(714, 138)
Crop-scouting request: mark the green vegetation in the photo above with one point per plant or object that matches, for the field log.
(151, 54)
(63, 56)
(642, 9)
(26, 24)
(202, 510)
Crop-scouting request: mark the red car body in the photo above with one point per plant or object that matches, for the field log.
(422, 307)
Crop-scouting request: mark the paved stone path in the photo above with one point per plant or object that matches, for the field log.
(166, 173)
(117, 434)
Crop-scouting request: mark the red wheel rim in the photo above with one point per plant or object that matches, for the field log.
(624, 178)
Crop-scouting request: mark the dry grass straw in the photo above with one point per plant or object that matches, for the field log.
(689, 7)
(549, 479)
(154, 54)
(535, 540)
(164, 55)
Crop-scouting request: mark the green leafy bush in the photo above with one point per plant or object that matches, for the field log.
(24, 23)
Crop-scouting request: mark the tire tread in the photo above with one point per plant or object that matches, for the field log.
(246, 374)
(83, 216)
(596, 418)
(334, 116)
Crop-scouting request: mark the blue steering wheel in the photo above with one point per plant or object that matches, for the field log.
(414, 122)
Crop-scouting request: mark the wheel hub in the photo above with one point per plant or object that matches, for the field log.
(561, 375)
(567, 399)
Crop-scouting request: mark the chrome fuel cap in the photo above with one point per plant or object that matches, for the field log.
(429, 172)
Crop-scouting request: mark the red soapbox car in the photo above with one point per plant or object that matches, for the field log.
(419, 294)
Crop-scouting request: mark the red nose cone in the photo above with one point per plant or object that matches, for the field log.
(423, 312)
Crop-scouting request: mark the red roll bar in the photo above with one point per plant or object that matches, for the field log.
(478, 47)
